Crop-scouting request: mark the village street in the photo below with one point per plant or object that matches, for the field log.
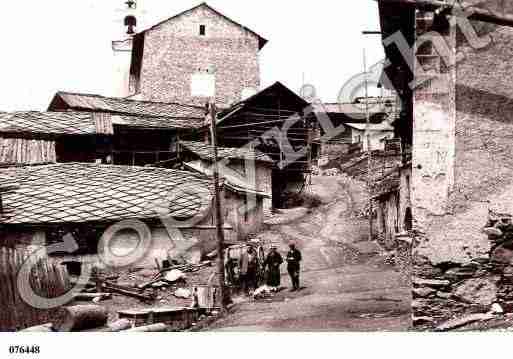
(348, 285)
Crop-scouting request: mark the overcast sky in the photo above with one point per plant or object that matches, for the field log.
(56, 45)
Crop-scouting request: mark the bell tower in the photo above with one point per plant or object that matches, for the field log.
(127, 16)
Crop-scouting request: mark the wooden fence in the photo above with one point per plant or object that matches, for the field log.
(47, 279)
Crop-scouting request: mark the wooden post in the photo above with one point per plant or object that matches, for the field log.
(217, 214)
(369, 149)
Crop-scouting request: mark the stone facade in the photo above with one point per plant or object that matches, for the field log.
(463, 164)
(245, 217)
(175, 54)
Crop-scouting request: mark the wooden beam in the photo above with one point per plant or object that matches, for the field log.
(478, 14)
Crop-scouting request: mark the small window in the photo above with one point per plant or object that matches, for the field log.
(203, 30)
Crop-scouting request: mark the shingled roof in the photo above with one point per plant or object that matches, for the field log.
(387, 184)
(63, 101)
(81, 193)
(158, 122)
(206, 152)
(54, 123)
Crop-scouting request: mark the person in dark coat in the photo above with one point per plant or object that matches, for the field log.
(294, 265)
(229, 266)
(273, 263)
(248, 270)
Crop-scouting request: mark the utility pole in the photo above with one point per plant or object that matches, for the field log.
(369, 150)
(218, 217)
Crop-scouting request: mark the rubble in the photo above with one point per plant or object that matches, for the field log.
(431, 282)
(264, 292)
(173, 276)
(423, 292)
(182, 293)
(44, 328)
(460, 322)
(481, 291)
(472, 286)
(422, 320)
(149, 328)
(127, 292)
(497, 309)
(94, 297)
(80, 317)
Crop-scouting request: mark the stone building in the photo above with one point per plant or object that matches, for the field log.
(462, 151)
(353, 115)
(193, 52)
(379, 134)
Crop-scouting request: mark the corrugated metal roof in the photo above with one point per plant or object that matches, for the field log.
(79, 193)
(88, 102)
(206, 152)
(55, 123)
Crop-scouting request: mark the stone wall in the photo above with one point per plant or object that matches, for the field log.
(175, 50)
(458, 266)
(245, 215)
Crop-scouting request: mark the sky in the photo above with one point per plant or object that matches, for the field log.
(65, 45)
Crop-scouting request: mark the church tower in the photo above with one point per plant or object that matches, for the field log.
(128, 14)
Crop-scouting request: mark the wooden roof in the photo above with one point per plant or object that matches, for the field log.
(206, 152)
(64, 101)
(52, 123)
(157, 123)
(81, 193)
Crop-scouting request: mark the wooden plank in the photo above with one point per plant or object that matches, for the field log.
(32, 282)
(16, 293)
(5, 321)
(3, 303)
(53, 152)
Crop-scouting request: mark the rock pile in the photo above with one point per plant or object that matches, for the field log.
(444, 291)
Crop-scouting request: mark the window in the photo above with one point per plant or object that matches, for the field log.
(203, 30)
(203, 84)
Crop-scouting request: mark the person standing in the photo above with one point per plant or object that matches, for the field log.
(248, 269)
(229, 266)
(294, 265)
(273, 263)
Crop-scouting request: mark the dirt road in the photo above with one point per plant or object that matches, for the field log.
(348, 286)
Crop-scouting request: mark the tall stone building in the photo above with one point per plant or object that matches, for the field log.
(462, 248)
(197, 52)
